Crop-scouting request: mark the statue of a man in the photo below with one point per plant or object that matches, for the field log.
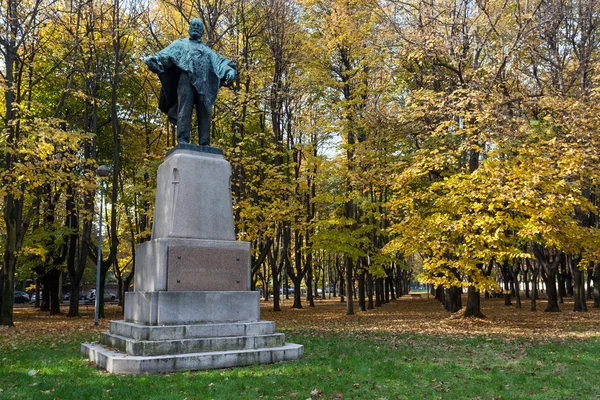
(191, 74)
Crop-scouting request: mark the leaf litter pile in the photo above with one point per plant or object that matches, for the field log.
(409, 315)
(403, 316)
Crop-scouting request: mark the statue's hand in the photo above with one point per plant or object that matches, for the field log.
(230, 76)
(154, 65)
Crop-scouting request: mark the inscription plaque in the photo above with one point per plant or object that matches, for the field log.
(207, 269)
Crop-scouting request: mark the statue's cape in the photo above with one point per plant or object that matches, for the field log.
(206, 68)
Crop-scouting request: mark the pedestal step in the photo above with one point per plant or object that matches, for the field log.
(169, 332)
(186, 346)
(116, 362)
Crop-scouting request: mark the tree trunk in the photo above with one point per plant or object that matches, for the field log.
(550, 269)
(370, 289)
(297, 296)
(266, 291)
(342, 284)
(562, 289)
(1, 287)
(309, 276)
(569, 283)
(386, 289)
(45, 294)
(323, 291)
(118, 55)
(578, 285)
(440, 294)
(275, 273)
(362, 306)
(473, 303)
(590, 289)
(8, 291)
(551, 291)
(317, 276)
(75, 274)
(390, 281)
(514, 272)
(54, 290)
(297, 293)
(596, 280)
(534, 291)
(378, 296)
(74, 270)
(13, 208)
(453, 299)
(104, 267)
(506, 279)
(38, 292)
(296, 276)
(517, 290)
(349, 286)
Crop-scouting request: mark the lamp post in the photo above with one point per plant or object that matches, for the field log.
(103, 171)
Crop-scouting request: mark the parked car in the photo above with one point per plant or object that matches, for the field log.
(67, 296)
(21, 298)
(108, 296)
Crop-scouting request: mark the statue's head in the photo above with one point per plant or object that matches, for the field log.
(196, 28)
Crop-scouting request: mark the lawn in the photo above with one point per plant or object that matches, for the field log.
(409, 349)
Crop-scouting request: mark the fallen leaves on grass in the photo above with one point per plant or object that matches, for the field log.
(34, 327)
(405, 315)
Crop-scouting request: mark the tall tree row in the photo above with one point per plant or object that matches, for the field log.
(362, 135)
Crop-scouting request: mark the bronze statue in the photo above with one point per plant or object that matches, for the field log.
(191, 74)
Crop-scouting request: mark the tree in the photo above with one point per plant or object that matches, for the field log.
(32, 142)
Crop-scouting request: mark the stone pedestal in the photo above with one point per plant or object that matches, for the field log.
(193, 197)
(191, 307)
(174, 264)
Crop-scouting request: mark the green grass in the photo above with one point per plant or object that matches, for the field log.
(356, 366)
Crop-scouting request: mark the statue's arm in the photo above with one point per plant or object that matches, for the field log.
(154, 64)
(162, 59)
(224, 68)
(230, 74)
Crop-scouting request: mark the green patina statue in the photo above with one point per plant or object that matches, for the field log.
(191, 75)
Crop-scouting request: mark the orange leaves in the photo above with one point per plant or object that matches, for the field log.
(406, 315)
(427, 316)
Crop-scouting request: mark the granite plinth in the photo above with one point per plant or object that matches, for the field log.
(120, 363)
(185, 308)
(193, 197)
(177, 264)
(169, 332)
(131, 348)
(185, 346)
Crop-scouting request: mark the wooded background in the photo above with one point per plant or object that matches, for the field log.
(370, 141)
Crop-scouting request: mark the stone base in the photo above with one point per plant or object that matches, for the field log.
(178, 264)
(145, 332)
(192, 307)
(193, 197)
(120, 363)
(185, 308)
(131, 348)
